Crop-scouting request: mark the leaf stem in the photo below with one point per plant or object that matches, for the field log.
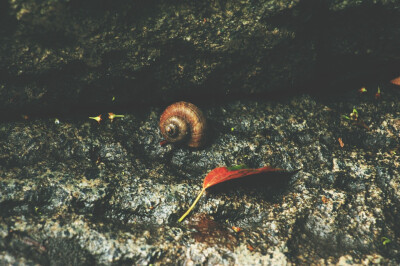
(191, 207)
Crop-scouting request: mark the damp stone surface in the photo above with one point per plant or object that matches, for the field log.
(109, 194)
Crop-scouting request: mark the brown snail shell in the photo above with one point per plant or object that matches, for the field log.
(183, 122)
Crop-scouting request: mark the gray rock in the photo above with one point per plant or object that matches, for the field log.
(68, 55)
(79, 192)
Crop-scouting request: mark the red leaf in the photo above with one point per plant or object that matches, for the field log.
(223, 174)
(396, 81)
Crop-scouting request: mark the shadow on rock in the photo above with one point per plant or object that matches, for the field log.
(270, 186)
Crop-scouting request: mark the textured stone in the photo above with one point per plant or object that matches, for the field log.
(65, 56)
(108, 193)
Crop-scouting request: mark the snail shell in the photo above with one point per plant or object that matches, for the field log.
(183, 122)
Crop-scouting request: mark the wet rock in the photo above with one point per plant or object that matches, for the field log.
(108, 193)
(66, 56)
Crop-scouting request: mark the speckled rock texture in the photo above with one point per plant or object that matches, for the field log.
(78, 192)
(59, 56)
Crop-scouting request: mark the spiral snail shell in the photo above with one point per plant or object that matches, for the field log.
(183, 122)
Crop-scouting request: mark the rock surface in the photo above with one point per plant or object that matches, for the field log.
(83, 193)
(73, 191)
(59, 56)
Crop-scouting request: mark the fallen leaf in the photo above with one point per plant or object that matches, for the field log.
(354, 114)
(355, 119)
(223, 174)
(111, 116)
(378, 94)
(236, 229)
(396, 81)
(324, 199)
(385, 240)
(362, 90)
(97, 118)
(341, 142)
